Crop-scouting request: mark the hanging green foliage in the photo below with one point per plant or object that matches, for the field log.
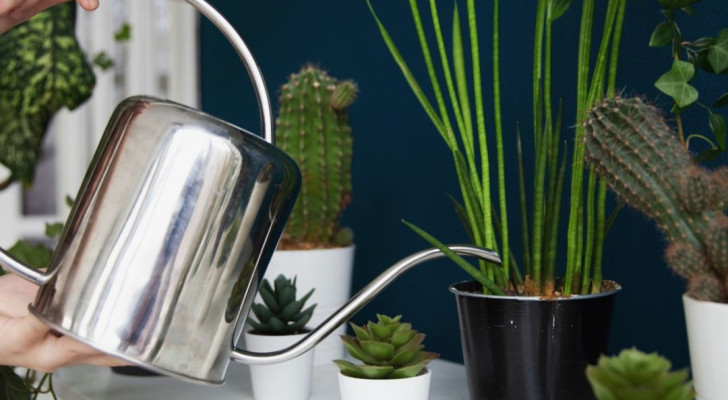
(43, 69)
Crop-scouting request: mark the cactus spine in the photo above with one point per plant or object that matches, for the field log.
(639, 156)
(312, 127)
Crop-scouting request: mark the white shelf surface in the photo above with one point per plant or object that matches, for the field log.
(98, 383)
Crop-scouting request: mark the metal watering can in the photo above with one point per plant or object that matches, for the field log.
(170, 233)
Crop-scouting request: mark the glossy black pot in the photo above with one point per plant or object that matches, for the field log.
(527, 348)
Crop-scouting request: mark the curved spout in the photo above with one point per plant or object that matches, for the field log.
(357, 302)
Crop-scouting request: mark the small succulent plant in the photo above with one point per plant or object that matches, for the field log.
(280, 313)
(389, 349)
(634, 375)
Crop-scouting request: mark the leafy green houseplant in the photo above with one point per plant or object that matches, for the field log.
(389, 349)
(476, 139)
(43, 69)
(634, 375)
(280, 321)
(394, 361)
(691, 58)
(281, 313)
(459, 115)
(312, 126)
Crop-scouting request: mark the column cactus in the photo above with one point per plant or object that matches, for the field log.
(313, 128)
(632, 148)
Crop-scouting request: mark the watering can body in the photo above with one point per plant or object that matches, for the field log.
(166, 239)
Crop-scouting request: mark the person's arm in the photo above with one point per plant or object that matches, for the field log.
(28, 342)
(13, 12)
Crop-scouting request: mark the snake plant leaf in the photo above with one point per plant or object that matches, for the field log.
(11, 386)
(43, 69)
(674, 83)
(718, 53)
(557, 8)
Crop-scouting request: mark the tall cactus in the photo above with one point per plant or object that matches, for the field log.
(633, 149)
(312, 127)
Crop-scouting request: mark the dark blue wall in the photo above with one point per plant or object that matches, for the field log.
(402, 169)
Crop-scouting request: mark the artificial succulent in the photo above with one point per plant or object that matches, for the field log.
(280, 313)
(389, 349)
(633, 375)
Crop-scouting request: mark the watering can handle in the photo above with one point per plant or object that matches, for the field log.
(261, 93)
(357, 302)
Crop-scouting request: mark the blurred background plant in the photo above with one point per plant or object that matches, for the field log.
(634, 375)
(707, 55)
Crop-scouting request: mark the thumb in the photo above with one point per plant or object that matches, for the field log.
(89, 5)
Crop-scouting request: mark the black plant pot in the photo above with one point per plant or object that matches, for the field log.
(524, 348)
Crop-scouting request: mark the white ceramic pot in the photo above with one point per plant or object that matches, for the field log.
(290, 380)
(707, 324)
(415, 388)
(329, 272)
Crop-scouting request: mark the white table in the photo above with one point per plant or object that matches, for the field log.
(96, 383)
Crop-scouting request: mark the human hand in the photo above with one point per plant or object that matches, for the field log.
(13, 12)
(27, 342)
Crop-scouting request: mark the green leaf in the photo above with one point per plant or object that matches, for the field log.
(408, 371)
(35, 255)
(44, 69)
(722, 100)
(103, 61)
(356, 351)
(262, 313)
(53, 230)
(124, 33)
(718, 52)
(557, 8)
(361, 333)
(662, 35)
(674, 83)
(708, 155)
(380, 351)
(381, 332)
(718, 127)
(11, 386)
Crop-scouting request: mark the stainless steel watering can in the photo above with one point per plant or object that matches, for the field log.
(170, 233)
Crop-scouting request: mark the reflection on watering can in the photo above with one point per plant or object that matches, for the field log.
(176, 219)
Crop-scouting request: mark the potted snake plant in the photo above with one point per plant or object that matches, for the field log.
(530, 326)
(312, 127)
(280, 321)
(632, 148)
(394, 362)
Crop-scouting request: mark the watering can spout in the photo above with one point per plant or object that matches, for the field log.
(357, 302)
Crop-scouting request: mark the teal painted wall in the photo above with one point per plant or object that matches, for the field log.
(402, 169)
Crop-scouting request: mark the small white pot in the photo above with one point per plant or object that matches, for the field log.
(707, 324)
(290, 380)
(329, 272)
(415, 388)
